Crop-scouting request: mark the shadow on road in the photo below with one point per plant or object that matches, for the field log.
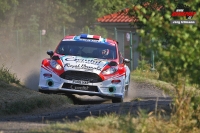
(85, 100)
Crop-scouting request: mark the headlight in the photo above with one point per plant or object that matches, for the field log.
(110, 70)
(55, 65)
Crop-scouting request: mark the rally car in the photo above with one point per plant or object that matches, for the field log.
(88, 65)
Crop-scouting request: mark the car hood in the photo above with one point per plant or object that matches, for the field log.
(78, 63)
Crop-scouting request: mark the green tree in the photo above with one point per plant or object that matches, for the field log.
(88, 11)
(105, 7)
(51, 14)
(5, 6)
(177, 45)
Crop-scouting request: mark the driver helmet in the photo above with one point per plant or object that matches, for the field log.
(105, 52)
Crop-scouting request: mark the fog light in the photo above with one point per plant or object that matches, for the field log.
(50, 82)
(111, 89)
(115, 81)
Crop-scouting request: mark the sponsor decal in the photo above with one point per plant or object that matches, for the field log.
(69, 58)
(90, 40)
(85, 88)
(183, 11)
(80, 82)
(45, 88)
(88, 61)
(87, 64)
(82, 66)
(80, 60)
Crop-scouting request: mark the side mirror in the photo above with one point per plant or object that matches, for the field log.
(126, 60)
(50, 53)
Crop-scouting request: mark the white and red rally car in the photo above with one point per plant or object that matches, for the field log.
(88, 65)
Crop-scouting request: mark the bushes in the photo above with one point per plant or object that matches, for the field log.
(30, 104)
(185, 116)
(8, 77)
(15, 98)
(144, 70)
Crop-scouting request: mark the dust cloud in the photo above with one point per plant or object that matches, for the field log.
(23, 56)
(26, 68)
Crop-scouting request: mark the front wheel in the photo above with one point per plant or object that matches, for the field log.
(117, 100)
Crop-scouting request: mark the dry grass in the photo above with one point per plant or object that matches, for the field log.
(91, 124)
(152, 78)
(144, 123)
(185, 117)
(15, 99)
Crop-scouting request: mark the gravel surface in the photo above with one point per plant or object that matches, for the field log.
(141, 95)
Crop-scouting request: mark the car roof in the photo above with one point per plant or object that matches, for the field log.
(90, 38)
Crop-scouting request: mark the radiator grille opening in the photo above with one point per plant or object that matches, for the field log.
(79, 75)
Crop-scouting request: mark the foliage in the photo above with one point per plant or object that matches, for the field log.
(97, 30)
(33, 23)
(152, 122)
(144, 69)
(34, 102)
(177, 45)
(5, 6)
(182, 116)
(16, 99)
(54, 15)
(51, 15)
(8, 77)
(105, 7)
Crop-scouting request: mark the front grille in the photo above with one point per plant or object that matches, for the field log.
(80, 87)
(79, 75)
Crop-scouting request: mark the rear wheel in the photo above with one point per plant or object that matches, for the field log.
(126, 91)
(127, 87)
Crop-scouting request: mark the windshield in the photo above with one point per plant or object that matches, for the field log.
(87, 49)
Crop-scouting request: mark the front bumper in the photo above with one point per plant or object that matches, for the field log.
(103, 89)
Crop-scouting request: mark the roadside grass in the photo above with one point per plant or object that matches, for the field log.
(113, 123)
(151, 77)
(17, 99)
(184, 118)
(101, 124)
(8, 77)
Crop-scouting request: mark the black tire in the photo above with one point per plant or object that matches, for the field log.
(117, 100)
(126, 88)
(126, 91)
(42, 91)
(46, 91)
(129, 79)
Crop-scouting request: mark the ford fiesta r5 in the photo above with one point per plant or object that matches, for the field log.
(88, 65)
